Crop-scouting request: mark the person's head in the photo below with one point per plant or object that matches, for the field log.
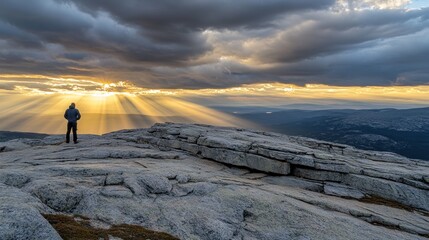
(72, 105)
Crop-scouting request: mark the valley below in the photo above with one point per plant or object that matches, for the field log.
(402, 131)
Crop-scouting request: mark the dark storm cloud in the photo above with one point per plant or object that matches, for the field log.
(64, 24)
(325, 33)
(18, 37)
(199, 14)
(398, 61)
(34, 61)
(161, 31)
(214, 44)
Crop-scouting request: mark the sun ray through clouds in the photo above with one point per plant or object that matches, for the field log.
(102, 111)
(109, 106)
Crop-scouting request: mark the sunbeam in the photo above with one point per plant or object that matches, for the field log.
(113, 106)
(103, 112)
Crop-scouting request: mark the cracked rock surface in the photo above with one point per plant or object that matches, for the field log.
(204, 182)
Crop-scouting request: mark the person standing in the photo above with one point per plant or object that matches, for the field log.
(72, 115)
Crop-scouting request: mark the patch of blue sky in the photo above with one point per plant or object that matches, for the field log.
(416, 4)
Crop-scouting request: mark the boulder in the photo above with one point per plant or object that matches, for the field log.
(20, 217)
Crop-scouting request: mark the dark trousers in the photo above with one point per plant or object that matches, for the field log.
(70, 126)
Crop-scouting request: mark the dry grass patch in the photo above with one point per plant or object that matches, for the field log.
(79, 228)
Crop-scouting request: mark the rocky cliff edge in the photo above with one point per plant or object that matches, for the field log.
(205, 182)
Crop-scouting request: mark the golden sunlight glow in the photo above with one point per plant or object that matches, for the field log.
(390, 94)
(38, 106)
(34, 110)
(78, 87)
(90, 87)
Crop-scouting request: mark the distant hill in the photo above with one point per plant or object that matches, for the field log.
(404, 131)
(6, 135)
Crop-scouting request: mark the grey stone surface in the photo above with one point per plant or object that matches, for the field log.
(309, 158)
(117, 191)
(164, 178)
(341, 190)
(294, 182)
(114, 179)
(399, 192)
(20, 217)
(155, 183)
(12, 145)
(58, 196)
(22, 222)
(14, 178)
(318, 175)
(182, 178)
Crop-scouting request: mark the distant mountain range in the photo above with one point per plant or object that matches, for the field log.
(404, 131)
(7, 135)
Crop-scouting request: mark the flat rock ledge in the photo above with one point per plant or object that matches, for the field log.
(357, 172)
(203, 182)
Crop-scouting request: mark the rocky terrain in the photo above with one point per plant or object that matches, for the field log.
(402, 131)
(204, 182)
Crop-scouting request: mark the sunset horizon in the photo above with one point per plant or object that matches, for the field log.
(214, 119)
(177, 62)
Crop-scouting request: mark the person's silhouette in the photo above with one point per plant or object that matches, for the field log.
(72, 115)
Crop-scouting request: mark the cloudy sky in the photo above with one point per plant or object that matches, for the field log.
(247, 51)
(196, 44)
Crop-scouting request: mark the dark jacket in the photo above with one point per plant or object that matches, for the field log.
(72, 114)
